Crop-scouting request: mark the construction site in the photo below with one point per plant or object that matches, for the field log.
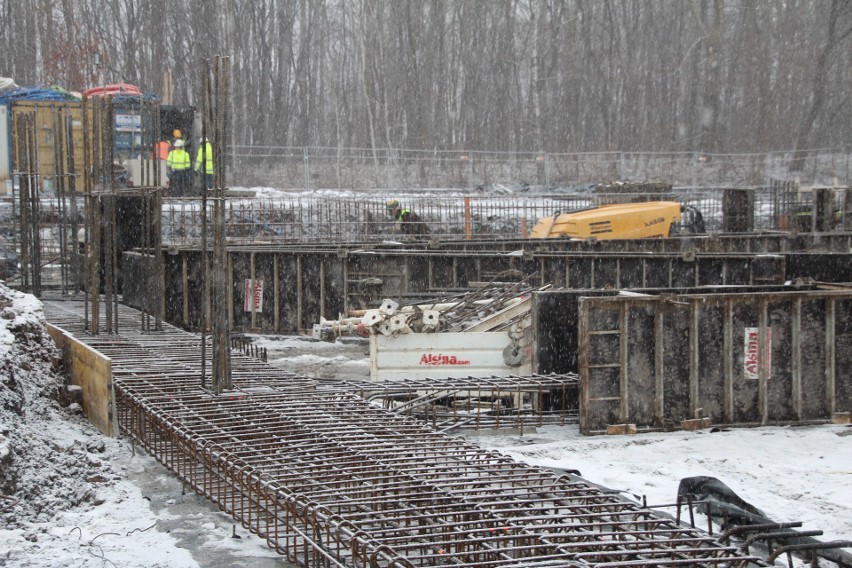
(502, 312)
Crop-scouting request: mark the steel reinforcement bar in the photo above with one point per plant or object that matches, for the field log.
(331, 480)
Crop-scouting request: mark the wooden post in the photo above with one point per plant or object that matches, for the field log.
(467, 226)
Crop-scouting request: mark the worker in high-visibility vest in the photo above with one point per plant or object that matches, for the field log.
(407, 221)
(161, 150)
(204, 157)
(178, 164)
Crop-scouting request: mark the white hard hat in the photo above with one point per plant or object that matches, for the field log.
(178, 143)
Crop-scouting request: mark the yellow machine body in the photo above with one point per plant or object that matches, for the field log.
(620, 221)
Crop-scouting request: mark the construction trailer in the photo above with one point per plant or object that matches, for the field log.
(58, 140)
(59, 137)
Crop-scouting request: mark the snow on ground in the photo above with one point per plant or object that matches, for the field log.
(73, 498)
(795, 473)
(348, 357)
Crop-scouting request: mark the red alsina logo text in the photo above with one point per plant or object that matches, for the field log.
(439, 359)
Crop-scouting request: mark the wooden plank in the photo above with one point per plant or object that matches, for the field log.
(92, 371)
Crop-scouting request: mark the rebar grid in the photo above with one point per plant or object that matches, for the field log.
(331, 480)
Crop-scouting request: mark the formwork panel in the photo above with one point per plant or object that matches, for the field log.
(580, 273)
(555, 323)
(711, 362)
(264, 274)
(779, 386)
(843, 356)
(606, 273)
(683, 273)
(417, 275)
(242, 272)
(140, 281)
(737, 358)
(711, 271)
(675, 371)
(632, 273)
(443, 271)
(739, 271)
(555, 272)
(641, 355)
(172, 264)
(813, 359)
(603, 398)
(335, 288)
(194, 289)
(604, 349)
(288, 292)
(92, 371)
(745, 387)
(467, 271)
(768, 269)
(657, 273)
(312, 285)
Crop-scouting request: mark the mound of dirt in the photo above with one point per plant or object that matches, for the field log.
(44, 468)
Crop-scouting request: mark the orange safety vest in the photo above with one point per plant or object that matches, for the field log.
(161, 150)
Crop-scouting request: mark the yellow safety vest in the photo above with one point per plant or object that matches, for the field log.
(178, 159)
(205, 150)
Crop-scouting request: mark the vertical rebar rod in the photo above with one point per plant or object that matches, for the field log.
(72, 193)
(205, 259)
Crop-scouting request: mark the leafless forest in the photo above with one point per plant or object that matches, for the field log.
(557, 76)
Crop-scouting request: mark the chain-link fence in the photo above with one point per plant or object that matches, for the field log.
(312, 168)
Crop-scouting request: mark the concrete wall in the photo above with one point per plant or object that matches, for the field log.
(300, 285)
(92, 371)
(755, 358)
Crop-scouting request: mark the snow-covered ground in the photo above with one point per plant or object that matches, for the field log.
(794, 473)
(73, 498)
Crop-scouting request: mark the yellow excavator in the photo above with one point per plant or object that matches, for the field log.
(651, 219)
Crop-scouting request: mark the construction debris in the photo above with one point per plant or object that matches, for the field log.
(496, 306)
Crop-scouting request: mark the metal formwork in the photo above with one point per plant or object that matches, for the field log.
(331, 480)
(753, 358)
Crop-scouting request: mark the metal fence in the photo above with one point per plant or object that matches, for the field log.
(362, 218)
(311, 168)
(341, 218)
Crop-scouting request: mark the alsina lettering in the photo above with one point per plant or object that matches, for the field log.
(438, 359)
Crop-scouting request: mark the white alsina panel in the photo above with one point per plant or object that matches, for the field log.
(442, 355)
